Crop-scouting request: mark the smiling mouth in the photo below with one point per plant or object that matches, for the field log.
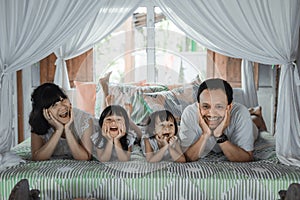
(64, 115)
(213, 120)
(113, 129)
(166, 135)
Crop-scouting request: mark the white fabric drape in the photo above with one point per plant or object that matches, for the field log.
(29, 31)
(288, 117)
(111, 15)
(248, 84)
(261, 31)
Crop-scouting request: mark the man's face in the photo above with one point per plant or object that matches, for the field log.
(213, 105)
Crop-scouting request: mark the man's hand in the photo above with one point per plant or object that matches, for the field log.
(205, 128)
(218, 131)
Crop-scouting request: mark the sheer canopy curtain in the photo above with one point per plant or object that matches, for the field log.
(110, 16)
(29, 31)
(248, 84)
(260, 31)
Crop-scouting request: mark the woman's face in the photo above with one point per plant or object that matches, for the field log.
(114, 125)
(164, 129)
(61, 110)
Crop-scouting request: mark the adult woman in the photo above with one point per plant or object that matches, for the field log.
(57, 129)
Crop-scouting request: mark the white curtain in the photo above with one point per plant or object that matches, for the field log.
(111, 15)
(29, 31)
(260, 31)
(248, 84)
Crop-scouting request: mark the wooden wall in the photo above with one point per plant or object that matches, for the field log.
(79, 68)
(220, 66)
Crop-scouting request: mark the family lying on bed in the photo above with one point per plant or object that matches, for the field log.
(213, 123)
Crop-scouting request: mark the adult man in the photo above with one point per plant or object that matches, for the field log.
(216, 123)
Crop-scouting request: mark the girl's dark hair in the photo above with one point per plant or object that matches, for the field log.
(163, 115)
(118, 111)
(43, 97)
(214, 84)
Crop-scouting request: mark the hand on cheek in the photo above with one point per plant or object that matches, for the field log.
(219, 130)
(203, 125)
(53, 121)
(71, 114)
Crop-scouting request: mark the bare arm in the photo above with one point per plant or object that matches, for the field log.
(235, 153)
(175, 150)
(122, 155)
(104, 155)
(231, 151)
(150, 155)
(195, 151)
(41, 150)
(80, 150)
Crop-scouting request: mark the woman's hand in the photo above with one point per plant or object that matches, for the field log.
(52, 121)
(71, 113)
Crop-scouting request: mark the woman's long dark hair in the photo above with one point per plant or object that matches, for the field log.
(118, 111)
(163, 115)
(43, 97)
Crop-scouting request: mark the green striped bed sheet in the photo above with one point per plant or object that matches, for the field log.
(210, 178)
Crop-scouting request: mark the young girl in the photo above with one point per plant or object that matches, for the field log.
(58, 130)
(160, 140)
(114, 142)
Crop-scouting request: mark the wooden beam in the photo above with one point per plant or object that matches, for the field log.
(20, 107)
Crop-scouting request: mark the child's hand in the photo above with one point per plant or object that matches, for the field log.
(172, 141)
(162, 141)
(122, 131)
(105, 132)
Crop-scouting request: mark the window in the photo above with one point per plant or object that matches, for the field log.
(140, 50)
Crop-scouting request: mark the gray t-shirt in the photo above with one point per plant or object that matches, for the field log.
(241, 130)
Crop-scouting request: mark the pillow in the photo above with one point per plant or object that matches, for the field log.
(132, 94)
(175, 100)
(85, 96)
(125, 94)
(164, 100)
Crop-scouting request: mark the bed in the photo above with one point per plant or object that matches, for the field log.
(211, 178)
